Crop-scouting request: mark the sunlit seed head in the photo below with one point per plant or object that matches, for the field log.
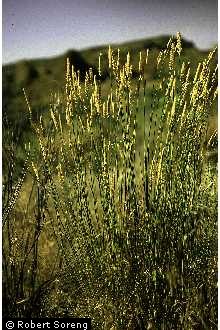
(146, 59)
(172, 57)
(179, 46)
(35, 171)
(140, 62)
(99, 68)
(118, 58)
(159, 57)
(109, 57)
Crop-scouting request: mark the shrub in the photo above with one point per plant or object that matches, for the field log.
(130, 196)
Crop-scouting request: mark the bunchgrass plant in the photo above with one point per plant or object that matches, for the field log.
(125, 189)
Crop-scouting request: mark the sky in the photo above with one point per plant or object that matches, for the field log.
(45, 28)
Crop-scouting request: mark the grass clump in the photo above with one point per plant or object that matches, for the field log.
(126, 192)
